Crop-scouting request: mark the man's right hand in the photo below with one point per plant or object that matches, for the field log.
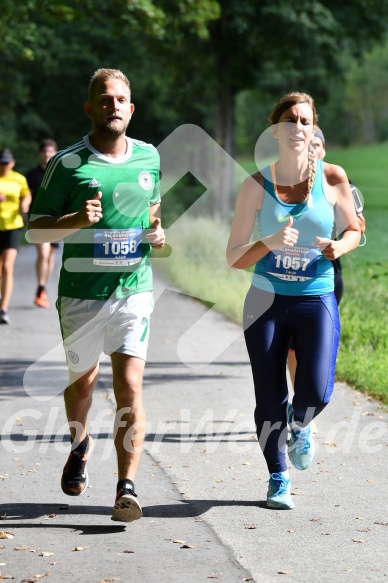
(91, 212)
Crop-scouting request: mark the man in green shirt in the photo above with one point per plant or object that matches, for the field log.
(102, 196)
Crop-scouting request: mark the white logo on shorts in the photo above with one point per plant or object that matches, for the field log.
(73, 357)
(145, 180)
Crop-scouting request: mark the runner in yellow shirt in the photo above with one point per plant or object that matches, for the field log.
(15, 199)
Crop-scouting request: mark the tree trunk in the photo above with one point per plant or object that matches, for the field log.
(224, 131)
(224, 175)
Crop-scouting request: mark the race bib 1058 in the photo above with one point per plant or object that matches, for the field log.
(117, 246)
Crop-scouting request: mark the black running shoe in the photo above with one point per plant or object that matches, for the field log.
(75, 476)
(127, 507)
(4, 317)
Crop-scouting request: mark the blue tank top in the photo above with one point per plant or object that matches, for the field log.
(300, 270)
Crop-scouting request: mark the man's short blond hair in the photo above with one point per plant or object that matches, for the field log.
(105, 75)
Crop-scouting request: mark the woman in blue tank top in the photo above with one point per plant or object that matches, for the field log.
(296, 203)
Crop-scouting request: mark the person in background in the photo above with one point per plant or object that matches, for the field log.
(15, 199)
(45, 251)
(297, 202)
(318, 146)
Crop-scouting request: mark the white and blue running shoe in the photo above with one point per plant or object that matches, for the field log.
(301, 446)
(279, 492)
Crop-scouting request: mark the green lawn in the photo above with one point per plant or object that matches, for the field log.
(198, 267)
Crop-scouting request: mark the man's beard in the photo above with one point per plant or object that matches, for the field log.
(113, 129)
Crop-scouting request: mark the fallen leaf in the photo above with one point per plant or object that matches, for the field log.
(367, 529)
(291, 530)
(79, 548)
(359, 540)
(294, 493)
(3, 517)
(246, 463)
(186, 546)
(128, 551)
(21, 548)
(250, 526)
(285, 572)
(248, 579)
(46, 554)
(5, 534)
(212, 577)
(315, 519)
(177, 540)
(381, 523)
(329, 443)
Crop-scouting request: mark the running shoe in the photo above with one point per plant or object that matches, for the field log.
(4, 317)
(301, 446)
(75, 476)
(41, 300)
(127, 507)
(279, 492)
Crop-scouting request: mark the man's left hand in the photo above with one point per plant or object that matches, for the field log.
(156, 236)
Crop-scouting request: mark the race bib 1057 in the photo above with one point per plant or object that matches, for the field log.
(293, 264)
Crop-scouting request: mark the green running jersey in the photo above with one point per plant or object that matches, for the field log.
(112, 256)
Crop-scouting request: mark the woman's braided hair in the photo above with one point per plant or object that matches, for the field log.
(282, 105)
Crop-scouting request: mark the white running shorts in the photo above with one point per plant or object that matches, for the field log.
(90, 327)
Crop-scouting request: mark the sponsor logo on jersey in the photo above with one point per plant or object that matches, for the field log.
(145, 180)
(94, 183)
(282, 219)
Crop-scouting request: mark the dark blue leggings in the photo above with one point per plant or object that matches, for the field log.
(313, 322)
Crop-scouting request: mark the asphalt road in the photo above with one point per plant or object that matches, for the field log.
(202, 479)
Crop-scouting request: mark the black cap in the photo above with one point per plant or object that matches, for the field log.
(6, 156)
(319, 134)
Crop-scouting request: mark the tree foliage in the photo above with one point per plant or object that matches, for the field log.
(188, 60)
